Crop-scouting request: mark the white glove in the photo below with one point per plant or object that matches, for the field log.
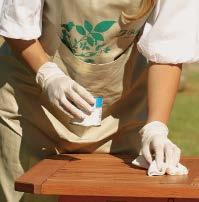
(155, 141)
(63, 92)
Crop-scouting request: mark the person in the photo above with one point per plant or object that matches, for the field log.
(63, 53)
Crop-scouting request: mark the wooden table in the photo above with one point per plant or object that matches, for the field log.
(107, 178)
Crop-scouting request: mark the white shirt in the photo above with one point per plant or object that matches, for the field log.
(171, 34)
(21, 19)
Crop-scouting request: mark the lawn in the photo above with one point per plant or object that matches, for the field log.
(184, 122)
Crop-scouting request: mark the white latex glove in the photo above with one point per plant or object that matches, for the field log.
(63, 92)
(155, 141)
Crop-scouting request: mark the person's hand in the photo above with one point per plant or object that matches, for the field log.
(63, 92)
(155, 142)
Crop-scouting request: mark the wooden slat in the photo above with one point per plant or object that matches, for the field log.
(104, 175)
(119, 190)
(32, 180)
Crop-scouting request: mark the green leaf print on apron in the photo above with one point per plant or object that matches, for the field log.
(90, 43)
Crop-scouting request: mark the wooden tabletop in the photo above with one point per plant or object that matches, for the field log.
(106, 175)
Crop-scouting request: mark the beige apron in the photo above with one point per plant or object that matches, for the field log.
(99, 53)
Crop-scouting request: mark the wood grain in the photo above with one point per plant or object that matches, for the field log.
(104, 175)
(32, 181)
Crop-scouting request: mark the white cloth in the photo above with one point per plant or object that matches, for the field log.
(171, 34)
(153, 170)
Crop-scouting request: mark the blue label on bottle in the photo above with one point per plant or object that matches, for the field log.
(99, 102)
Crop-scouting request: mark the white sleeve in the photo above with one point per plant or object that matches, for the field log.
(21, 19)
(171, 34)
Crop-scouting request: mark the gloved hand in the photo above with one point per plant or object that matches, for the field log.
(63, 92)
(155, 141)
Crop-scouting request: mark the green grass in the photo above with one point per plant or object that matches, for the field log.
(184, 122)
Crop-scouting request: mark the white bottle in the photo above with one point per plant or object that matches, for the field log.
(96, 116)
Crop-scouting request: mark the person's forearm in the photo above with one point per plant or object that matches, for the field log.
(163, 81)
(30, 51)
